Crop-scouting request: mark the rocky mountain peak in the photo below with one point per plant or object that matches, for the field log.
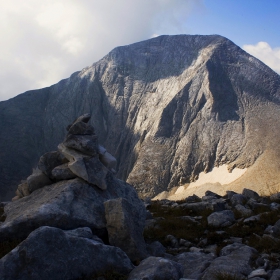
(168, 109)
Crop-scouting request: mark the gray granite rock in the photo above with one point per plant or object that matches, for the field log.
(51, 253)
(275, 197)
(221, 219)
(238, 199)
(250, 194)
(243, 211)
(154, 268)
(275, 275)
(66, 205)
(125, 226)
(235, 264)
(156, 249)
(276, 229)
(194, 264)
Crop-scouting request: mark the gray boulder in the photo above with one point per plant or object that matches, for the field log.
(156, 249)
(250, 194)
(66, 205)
(154, 268)
(275, 197)
(275, 275)
(238, 199)
(125, 226)
(51, 253)
(276, 229)
(221, 219)
(62, 172)
(243, 211)
(194, 264)
(235, 264)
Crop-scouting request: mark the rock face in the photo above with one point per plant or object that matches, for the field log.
(167, 108)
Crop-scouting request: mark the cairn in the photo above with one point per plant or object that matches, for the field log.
(80, 155)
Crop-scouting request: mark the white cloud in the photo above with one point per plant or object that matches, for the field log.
(45, 41)
(264, 52)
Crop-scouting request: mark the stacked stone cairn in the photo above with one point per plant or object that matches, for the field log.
(79, 155)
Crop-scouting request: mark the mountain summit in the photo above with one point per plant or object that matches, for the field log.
(171, 108)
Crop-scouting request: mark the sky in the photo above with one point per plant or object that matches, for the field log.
(42, 42)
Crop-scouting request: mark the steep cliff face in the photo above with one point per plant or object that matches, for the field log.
(168, 108)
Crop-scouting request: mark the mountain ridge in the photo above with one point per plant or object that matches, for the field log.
(170, 107)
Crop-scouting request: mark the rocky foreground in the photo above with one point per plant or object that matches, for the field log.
(72, 219)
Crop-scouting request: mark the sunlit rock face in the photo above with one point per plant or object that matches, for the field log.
(167, 108)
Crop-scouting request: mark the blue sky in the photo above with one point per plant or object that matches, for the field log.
(43, 42)
(242, 21)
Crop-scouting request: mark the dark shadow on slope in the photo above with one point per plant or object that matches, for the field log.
(224, 97)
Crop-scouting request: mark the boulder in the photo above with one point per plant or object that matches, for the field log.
(51, 253)
(250, 194)
(243, 211)
(62, 172)
(275, 197)
(49, 161)
(221, 219)
(154, 268)
(125, 226)
(156, 249)
(235, 264)
(238, 199)
(66, 205)
(276, 229)
(275, 275)
(194, 264)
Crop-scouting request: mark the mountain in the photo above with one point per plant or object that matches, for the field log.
(168, 108)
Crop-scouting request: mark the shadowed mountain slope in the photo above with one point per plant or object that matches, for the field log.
(167, 108)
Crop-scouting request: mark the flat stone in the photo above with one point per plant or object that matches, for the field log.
(63, 172)
(87, 144)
